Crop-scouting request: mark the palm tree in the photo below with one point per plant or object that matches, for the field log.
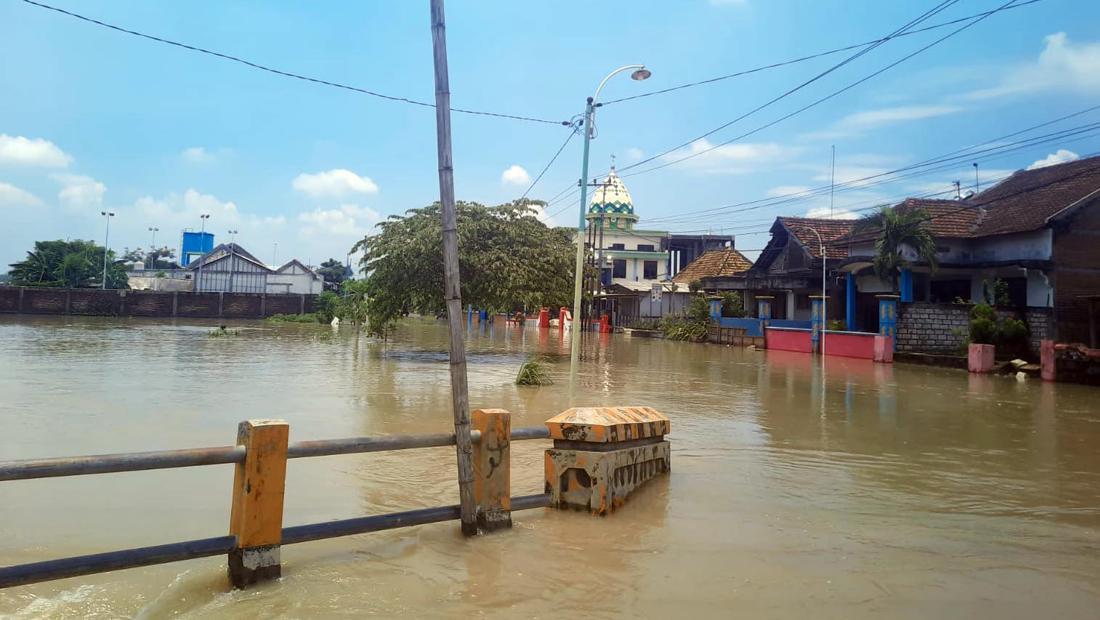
(897, 228)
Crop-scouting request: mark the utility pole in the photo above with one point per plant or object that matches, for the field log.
(153, 247)
(232, 256)
(106, 244)
(202, 250)
(977, 185)
(460, 396)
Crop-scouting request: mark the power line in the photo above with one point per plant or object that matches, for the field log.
(813, 56)
(791, 91)
(810, 105)
(289, 74)
(552, 160)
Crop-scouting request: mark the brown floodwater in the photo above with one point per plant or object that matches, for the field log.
(879, 492)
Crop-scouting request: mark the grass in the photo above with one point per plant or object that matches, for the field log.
(533, 372)
(222, 332)
(308, 317)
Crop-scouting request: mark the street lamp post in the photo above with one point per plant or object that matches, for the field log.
(202, 249)
(640, 73)
(232, 267)
(824, 300)
(153, 245)
(107, 215)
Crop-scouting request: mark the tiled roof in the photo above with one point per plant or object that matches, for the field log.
(834, 233)
(1025, 200)
(945, 218)
(714, 264)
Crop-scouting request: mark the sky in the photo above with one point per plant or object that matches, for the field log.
(92, 119)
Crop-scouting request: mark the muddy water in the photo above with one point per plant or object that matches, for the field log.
(901, 492)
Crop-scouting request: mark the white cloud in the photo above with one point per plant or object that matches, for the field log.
(784, 190)
(515, 175)
(12, 196)
(32, 152)
(197, 155)
(735, 158)
(79, 191)
(1062, 66)
(825, 213)
(348, 220)
(860, 122)
(184, 211)
(1060, 156)
(336, 183)
(634, 153)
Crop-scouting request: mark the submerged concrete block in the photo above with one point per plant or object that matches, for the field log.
(602, 454)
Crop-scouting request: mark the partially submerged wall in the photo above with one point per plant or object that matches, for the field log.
(164, 304)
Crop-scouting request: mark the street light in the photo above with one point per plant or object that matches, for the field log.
(824, 301)
(232, 242)
(640, 73)
(153, 243)
(107, 215)
(202, 249)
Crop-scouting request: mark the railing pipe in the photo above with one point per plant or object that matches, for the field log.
(193, 457)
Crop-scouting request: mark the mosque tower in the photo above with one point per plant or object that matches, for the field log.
(611, 205)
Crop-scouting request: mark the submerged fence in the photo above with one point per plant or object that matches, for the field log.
(256, 531)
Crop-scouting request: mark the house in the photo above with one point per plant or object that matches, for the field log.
(229, 268)
(1038, 231)
(295, 278)
(788, 269)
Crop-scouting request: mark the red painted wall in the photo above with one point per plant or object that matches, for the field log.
(850, 345)
(788, 340)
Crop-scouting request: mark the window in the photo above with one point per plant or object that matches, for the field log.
(618, 246)
(645, 248)
(649, 269)
(618, 268)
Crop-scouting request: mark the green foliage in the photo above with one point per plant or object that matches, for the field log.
(354, 306)
(308, 317)
(836, 326)
(896, 229)
(222, 332)
(647, 324)
(698, 310)
(508, 259)
(996, 292)
(333, 271)
(67, 264)
(695, 286)
(161, 274)
(986, 328)
(733, 305)
(326, 306)
(533, 372)
(693, 325)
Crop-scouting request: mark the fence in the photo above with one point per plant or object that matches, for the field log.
(163, 304)
(256, 530)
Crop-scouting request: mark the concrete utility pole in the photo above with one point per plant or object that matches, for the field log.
(232, 255)
(106, 244)
(460, 396)
(202, 249)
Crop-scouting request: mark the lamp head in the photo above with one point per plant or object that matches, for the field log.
(641, 74)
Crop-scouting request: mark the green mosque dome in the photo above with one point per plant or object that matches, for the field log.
(611, 204)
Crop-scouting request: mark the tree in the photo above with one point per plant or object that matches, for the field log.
(897, 228)
(161, 258)
(333, 271)
(507, 257)
(68, 264)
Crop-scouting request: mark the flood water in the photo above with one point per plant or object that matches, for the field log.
(881, 492)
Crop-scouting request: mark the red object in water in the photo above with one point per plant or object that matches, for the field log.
(783, 339)
(605, 324)
(1047, 361)
(544, 318)
(979, 358)
(563, 317)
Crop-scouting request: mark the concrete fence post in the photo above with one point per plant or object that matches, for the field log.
(492, 469)
(602, 454)
(256, 518)
(221, 303)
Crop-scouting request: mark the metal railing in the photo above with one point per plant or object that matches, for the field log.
(191, 549)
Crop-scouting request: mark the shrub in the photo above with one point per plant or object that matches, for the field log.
(983, 331)
(533, 372)
(733, 305)
(326, 306)
(292, 318)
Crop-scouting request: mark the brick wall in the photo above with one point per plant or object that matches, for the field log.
(32, 300)
(1077, 272)
(945, 328)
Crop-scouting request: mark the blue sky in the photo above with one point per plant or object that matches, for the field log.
(93, 119)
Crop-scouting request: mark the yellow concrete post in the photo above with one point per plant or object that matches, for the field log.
(492, 469)
(601, 454)
(256, 518)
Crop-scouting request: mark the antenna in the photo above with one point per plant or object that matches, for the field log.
(958, 191)
(977, 186)
(832, 183)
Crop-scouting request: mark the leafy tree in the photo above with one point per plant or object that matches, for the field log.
(333, 271)
(161, 258)
(897, 228)
(508, 259)
(733, 304)
(136, 255)
(70, 264)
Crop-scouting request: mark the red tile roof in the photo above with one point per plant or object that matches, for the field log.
(713, 264)
(834, 233)
(945, 218)
(1028, 198)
